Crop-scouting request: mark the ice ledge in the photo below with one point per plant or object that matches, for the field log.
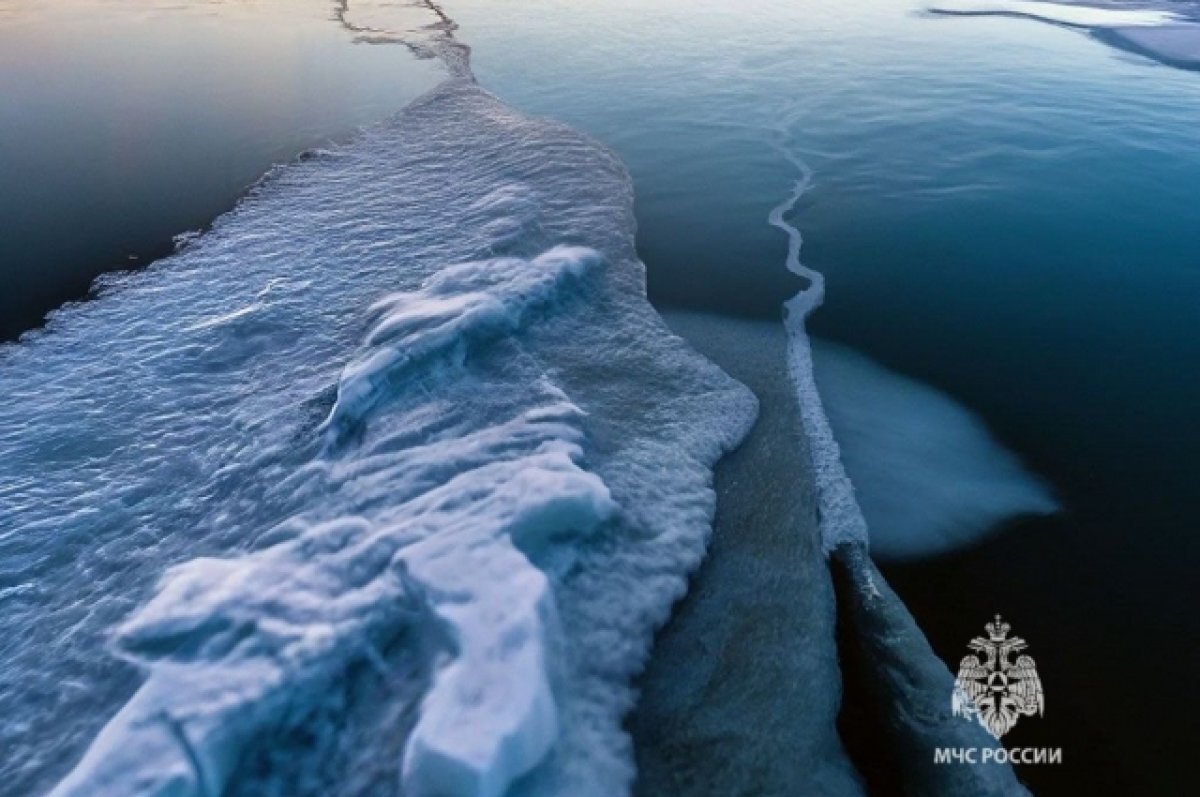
(910, 688)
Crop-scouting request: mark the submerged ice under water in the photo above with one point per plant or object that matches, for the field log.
(927, 474)
(409, 388)
(898, 466)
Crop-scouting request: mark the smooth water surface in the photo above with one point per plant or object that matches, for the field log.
(125, 123)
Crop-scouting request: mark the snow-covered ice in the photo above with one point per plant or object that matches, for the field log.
(388, 477)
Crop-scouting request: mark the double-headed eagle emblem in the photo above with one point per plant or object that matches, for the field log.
(997, 691)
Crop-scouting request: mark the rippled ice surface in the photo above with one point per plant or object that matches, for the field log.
(405, 410)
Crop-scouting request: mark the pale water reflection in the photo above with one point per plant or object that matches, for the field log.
(124, 123)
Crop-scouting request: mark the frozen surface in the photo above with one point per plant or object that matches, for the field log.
(1070, 14)
(386, 479)
(743, 690)
(1165, 31)
(908, 683)
(841, 520)
(910, 688)
(1177, 45)
(928, 476)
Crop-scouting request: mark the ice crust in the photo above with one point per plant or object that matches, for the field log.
(840, 519)
(748, 665)
(909, 685)
(1166, 32)
(400, 431)
(1070, 14)
(910, 688)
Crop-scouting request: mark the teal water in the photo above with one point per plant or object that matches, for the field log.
(1003, 209)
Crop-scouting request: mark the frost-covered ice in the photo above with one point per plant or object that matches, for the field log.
(841, 519)
(908, 684)
(1168, 32)
(417, 464)
(909, 688)
(743, 690)
(928, 476)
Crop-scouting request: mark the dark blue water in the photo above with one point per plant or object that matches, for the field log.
(1004, 209)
